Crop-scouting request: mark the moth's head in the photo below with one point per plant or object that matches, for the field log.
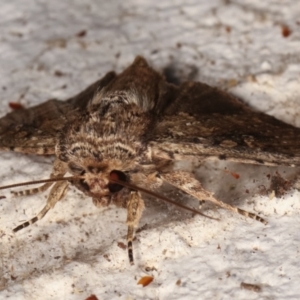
(97, 177)
(89, 154)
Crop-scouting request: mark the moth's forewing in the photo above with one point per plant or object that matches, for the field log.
(206, 122)
(34, 130)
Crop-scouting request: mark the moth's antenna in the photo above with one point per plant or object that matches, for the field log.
(39, 181)
(138, 188)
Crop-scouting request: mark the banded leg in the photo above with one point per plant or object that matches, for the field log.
(32, 191)
(187, 183)
(57, 171)
(135, 207)
(57, 192)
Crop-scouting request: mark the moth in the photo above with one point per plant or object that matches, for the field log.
(122, 135)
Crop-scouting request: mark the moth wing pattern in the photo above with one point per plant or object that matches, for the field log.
(34, 130)
(206, 122)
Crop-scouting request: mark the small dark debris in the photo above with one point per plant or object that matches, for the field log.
(122, 245)
(58, 73)
(154, 51)
(228, 29)
(285, 31)
(106, 256)
(13, 277)
(150, 269)
(15, 105)
(251, 287)
(81, 33)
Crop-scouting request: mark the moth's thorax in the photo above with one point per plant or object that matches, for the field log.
(111, 129)
(109, 136)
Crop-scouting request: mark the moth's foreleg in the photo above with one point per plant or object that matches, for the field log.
(57, 171)
(33, 191)
(135, 207)
(57, 192)
(187, 183)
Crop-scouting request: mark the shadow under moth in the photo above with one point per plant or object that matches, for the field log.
(121, 137)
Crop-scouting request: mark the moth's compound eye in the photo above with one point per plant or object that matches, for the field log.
(84, 185)
(116, 175)
(74, 168)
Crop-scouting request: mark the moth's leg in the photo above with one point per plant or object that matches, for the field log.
(33, 191)
(58, 170)
(57, 193)
(135, 207)
(187, 183)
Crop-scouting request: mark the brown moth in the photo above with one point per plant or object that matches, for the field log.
(122, 135)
